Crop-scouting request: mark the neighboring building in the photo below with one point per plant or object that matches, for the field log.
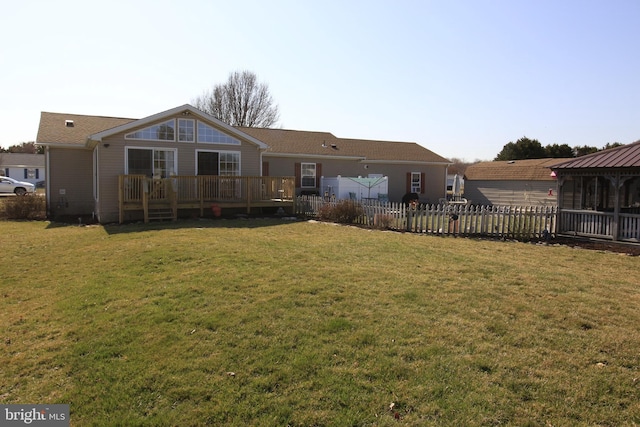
(511, 183)
(599, 194)
(22, 166)
(103, 166)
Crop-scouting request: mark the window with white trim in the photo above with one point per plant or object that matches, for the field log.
(161, 132)
(210, 135)
(229, 163)
(152, 162)
(223, 163)
(186, 130)
(416, 182)
(308, 175)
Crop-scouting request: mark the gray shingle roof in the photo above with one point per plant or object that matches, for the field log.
(22, 160)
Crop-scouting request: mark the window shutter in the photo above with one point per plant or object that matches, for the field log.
(423, 185)
(318, 174)
(26, 174)
(298, 173)
(37, 173)
(265, 168)
(408, 182)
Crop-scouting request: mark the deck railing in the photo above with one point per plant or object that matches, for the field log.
(142, 192)
(589, 223)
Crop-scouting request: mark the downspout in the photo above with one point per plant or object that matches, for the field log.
(446, 179)
(47, 180)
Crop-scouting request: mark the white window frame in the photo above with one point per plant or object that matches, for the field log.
(416, 185)
(303, 176)
(217, 136)
(220, 155)
(153, 150)
(239, 163)
(130, 135)
(181, 122)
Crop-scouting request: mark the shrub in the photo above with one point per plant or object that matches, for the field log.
(25, 207)
(344, 211)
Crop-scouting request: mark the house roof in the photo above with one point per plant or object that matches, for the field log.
(54, 128)
(187, 111)
(21, 160)
(624, 156)
(295, 142)
(512, 170)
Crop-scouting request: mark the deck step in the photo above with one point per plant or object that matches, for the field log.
(160, 214)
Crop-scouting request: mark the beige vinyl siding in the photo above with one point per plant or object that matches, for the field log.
(73, 177)
(435, 175)
(510, 193)
(111, 164)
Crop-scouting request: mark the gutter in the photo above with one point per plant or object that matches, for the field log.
(63, 145)
(319, 156)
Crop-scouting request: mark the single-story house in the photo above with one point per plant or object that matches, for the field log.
(182, 159)
(409, 167)
(512, 183)
(599, 194)
(22, 166)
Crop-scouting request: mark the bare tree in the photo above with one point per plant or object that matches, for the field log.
(241, 101)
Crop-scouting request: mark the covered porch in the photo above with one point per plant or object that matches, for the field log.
(599, 195)
(163, 198)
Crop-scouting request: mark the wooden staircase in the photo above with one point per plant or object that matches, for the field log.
(161, 214)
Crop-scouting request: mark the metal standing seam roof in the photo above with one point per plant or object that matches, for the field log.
(624, 156)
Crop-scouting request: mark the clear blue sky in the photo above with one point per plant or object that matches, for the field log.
(462, 78)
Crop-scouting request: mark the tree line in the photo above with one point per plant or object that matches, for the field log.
(526, 148)
(25, 147)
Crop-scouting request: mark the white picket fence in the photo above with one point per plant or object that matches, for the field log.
(517, 222)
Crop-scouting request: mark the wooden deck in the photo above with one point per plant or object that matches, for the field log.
(162, 198)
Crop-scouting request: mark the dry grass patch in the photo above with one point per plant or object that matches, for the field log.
(272, 323)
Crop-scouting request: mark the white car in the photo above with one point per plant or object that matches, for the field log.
(10, 185)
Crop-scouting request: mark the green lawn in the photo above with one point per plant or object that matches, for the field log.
(268, 322)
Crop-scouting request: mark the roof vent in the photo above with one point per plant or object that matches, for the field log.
(334, 146)
(68, 123)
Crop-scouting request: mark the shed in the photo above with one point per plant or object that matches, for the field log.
(526, 182)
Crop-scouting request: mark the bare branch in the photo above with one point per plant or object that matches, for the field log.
(241, 101)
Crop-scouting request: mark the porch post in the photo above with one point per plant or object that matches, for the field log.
(559, 206)
(248, 189)
(120, 199)
(615, 182)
